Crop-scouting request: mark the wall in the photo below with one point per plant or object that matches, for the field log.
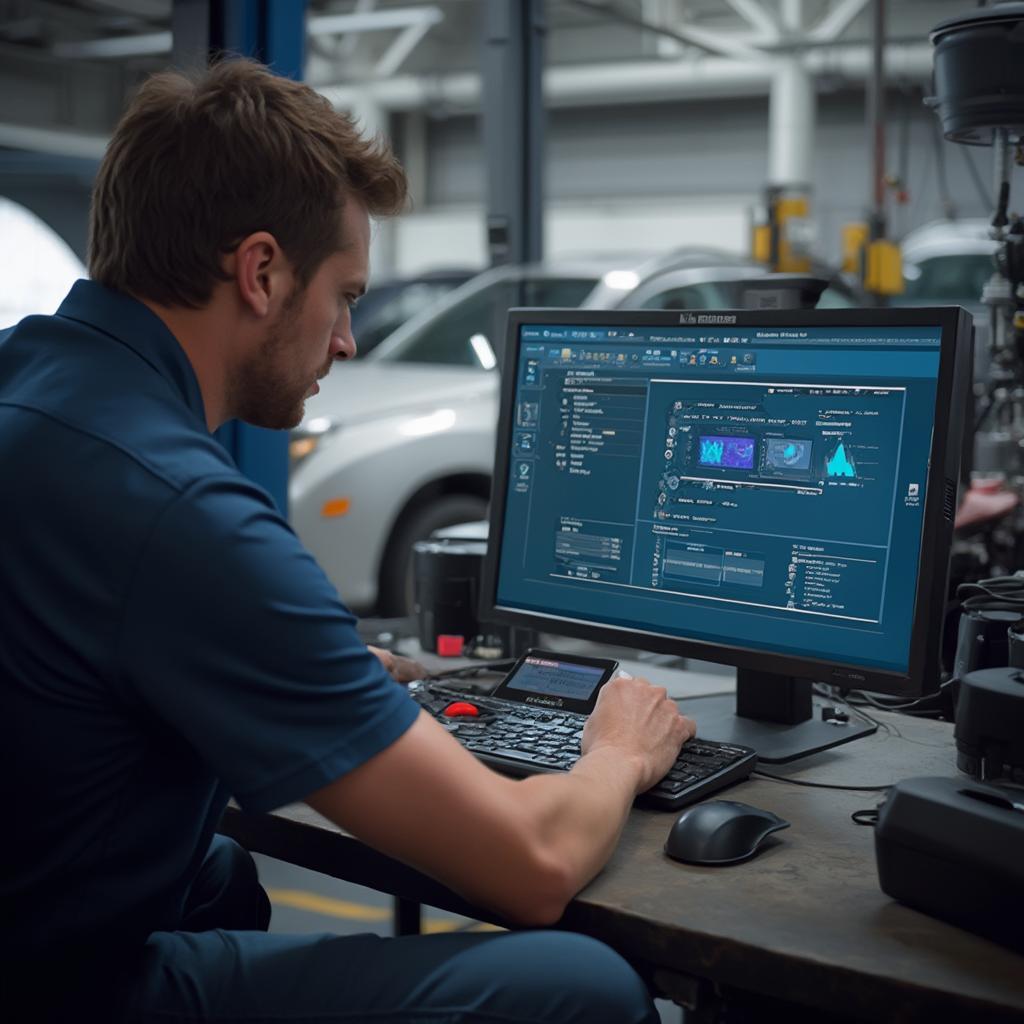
(648, 178)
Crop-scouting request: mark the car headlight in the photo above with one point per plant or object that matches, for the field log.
(306, 438)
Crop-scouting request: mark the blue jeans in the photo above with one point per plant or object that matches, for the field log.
(227, 973)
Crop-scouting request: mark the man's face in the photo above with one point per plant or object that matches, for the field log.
(312, 329)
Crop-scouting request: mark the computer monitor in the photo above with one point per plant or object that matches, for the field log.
(772, 490)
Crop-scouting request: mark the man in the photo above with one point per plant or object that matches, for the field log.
(167, 642)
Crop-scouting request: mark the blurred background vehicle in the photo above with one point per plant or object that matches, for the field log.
(419, 412)
(947, 261)
(37, 267)
(390, 303)
(401, 443)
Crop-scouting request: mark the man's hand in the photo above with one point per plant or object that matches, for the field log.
(404, 670)
(638, 720)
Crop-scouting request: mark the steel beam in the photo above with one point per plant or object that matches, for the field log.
(837, 21)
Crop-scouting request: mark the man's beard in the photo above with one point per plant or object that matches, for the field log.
(265, 392)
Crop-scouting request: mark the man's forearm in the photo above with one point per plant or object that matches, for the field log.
(580, 815)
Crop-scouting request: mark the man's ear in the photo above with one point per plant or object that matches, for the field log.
(261, 271)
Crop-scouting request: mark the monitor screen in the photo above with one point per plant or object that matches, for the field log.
(751, 488)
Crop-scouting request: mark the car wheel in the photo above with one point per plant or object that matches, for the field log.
(397, 579)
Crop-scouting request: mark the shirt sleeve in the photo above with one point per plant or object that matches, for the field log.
(234, 637)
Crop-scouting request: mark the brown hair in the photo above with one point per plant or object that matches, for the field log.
(198, 162)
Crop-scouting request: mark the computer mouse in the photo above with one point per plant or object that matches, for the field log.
(720, 832)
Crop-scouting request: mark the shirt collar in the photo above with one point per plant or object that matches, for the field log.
(134, 325)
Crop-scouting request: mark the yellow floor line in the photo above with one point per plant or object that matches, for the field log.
(300, 899)
(432, 925)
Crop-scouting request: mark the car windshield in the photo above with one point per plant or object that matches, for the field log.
(396, 304)
(956, 278)
(463, 335)
(704, 295)
(725, 295)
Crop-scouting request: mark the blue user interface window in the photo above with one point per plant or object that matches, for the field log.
(753, 487)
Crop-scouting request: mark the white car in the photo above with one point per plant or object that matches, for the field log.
(386, 455)
(401, 443)
(947, 261)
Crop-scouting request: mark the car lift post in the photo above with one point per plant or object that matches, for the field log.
(512, 115)
(274, 32)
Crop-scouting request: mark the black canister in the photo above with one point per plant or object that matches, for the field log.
(447, 588)
(979, 73)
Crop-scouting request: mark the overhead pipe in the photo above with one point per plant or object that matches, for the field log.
(636, 81)
(576, 86)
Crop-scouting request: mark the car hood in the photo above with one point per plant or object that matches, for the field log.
(357, 392)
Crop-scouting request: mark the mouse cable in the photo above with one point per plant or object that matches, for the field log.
(820, 785)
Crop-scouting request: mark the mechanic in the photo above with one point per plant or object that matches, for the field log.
(167, 642)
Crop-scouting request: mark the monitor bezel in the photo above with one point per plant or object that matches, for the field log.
(953, 387)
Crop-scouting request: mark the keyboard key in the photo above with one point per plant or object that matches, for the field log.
(510, 754)
(672, 786)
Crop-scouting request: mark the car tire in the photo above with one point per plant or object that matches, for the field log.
(397, 580)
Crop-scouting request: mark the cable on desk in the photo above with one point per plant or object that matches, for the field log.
(856, 697)
(869, 816)
(828, 785)
(890, 729)
(474, 670)
(923, 707)
(469, 671)
(820, 785)
(824, 691)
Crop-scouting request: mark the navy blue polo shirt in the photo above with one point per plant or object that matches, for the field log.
(165, 640)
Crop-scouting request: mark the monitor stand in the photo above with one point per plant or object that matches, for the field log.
(776, 715)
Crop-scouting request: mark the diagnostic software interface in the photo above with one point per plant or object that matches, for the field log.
(754, 487)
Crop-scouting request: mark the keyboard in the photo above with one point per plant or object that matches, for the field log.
(521, 740)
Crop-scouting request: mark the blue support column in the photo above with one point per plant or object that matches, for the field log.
(285, 36)
(512, 108)
(274, 32)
